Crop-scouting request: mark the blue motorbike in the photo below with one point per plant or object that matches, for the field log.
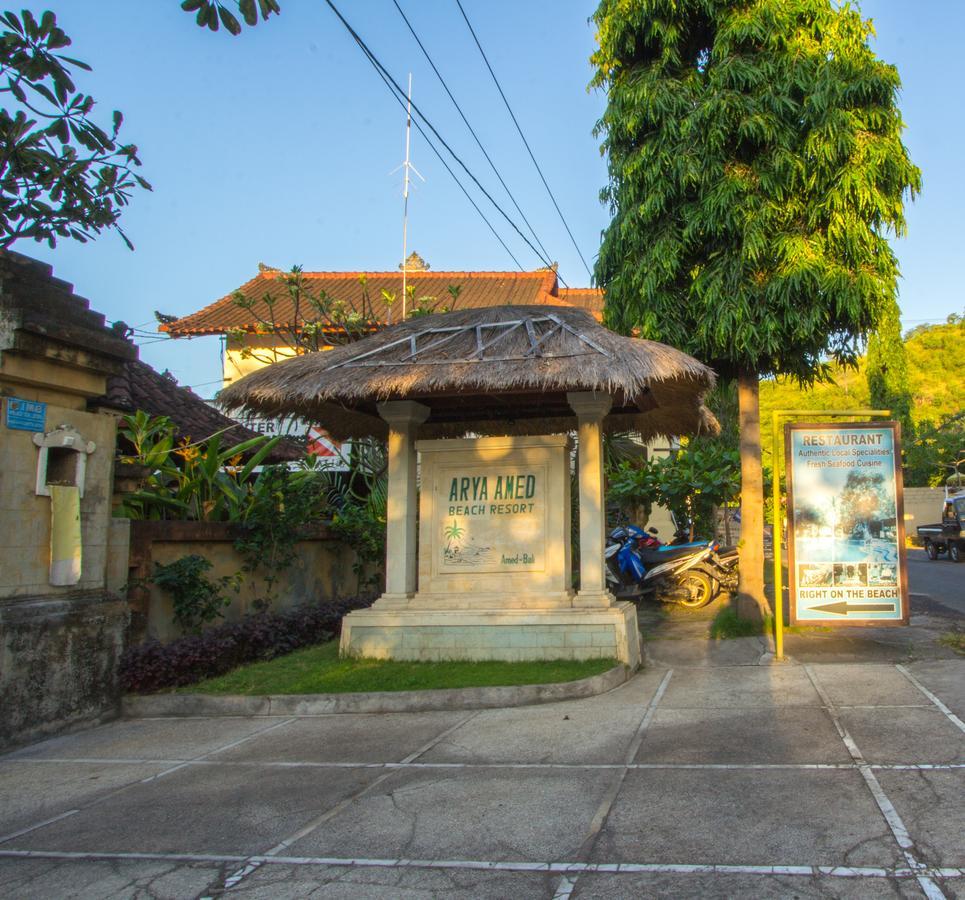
(690, 574)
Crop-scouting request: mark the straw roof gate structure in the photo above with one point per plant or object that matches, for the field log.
(527, 376)
(501, 370)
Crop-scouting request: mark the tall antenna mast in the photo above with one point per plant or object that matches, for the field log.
(407, 165)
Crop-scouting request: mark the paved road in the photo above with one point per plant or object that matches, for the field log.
(739, 781)
(942, 580)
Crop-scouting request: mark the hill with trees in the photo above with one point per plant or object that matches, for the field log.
(936, 380)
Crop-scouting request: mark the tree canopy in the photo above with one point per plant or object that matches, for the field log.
(61, 174)
(935, 382)
(755, 169)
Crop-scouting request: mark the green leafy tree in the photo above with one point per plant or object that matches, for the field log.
(930, 458)
(317, 320)
(887, 368)
(691, 483)
(936, 384)
(61, 173)
(755, 168)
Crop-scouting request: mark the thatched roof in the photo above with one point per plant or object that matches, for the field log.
(502, 370)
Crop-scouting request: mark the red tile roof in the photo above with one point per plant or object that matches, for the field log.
(139, 386)
(590, 299)
(478, 289)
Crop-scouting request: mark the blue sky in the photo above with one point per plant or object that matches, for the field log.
(276, 147)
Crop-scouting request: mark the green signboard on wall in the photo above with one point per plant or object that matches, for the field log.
(845, 518)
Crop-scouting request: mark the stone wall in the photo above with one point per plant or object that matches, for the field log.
(324, 569)
(58, 664)
(923, 506)
(59, 643)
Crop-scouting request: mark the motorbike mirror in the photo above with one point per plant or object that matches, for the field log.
(654, 530)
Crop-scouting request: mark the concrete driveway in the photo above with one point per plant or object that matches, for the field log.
(816, 780)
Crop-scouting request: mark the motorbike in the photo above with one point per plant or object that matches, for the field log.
(691, 574)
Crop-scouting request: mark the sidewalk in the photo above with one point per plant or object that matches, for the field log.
(806, 780)
(679, 637)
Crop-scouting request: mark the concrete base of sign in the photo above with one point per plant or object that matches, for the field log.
(502, 633)
(474, 600)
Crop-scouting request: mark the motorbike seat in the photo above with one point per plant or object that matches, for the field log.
(655, 557)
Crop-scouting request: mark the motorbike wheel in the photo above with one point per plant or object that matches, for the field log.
(695, 589)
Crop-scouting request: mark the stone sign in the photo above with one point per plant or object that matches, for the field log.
(491, 518)
(495, 511)
(490, 576)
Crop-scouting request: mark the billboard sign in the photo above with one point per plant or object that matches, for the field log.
(845, 518)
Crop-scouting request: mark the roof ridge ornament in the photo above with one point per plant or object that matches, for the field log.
(415, 263)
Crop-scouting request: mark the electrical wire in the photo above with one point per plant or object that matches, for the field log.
(401, 93)
(455, 178)
(523, 136)
(472, 130)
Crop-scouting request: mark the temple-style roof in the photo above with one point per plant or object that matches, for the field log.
(41, 316)
(477, 290)
(502, 370)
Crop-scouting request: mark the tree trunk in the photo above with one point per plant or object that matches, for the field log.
(752, 602)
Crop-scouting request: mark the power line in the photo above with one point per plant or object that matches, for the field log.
(523, 136)
(472, 131)
(401, 93)
(455, 178)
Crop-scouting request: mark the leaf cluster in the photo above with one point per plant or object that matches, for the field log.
(190, 480)
(272, 505)
(690, 483)
(62, 175)
(360, 502)
(213, 13)
(935, 385)
(281, 503)
(196, 599)
(756, 168)
(315, 320)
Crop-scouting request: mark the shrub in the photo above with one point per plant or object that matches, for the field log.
(196, 599)
(153, 666)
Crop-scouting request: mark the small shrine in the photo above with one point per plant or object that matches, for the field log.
(480, 408)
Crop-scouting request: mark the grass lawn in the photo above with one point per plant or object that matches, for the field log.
(318, 670)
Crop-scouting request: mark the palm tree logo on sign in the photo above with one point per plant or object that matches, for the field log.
(458, 552)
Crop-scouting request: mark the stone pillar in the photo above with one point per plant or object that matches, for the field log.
(590, 408)
(400, 540)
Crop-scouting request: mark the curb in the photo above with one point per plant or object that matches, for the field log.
(191, 705)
